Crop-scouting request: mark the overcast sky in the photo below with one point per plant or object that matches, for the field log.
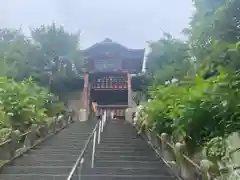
(129, 22)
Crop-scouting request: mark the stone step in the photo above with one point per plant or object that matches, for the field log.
(83, 177)
(40, 162)
(53, 159)
(67, 145)
(122, 144)
(126, 163)
(127, 158)
(67, 142)
(61, 147)
(126, 177)
(127, 131)
(109, 129)
(32, 177)
(46, 170)
(64, 146)
(54, 148)
(121, 141)
(117, 148)
(127, 146)
(103, 136)
(123, 153)
(112, 139)
(69, 138)
(126, 171)
(55, 151)
(125, 127)
(51, 156)
(119, 136)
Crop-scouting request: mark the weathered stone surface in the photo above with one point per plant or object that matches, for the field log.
(52, 159)
(18, 144)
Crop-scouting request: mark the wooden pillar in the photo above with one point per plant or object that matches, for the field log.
(85, 92)
(129, 90)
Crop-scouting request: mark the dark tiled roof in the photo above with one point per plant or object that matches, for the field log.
(108, 47)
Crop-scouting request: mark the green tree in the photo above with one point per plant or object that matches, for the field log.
(204, 99)
(168, 59)
(14, 49)
(214, 20)
(60, 48)
(51, 56)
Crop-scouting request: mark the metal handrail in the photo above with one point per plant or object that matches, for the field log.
(80, 160)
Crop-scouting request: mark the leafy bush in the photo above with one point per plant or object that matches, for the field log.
(50, 50)
(3, 117)
(24, 103)
(215, 149)
(4, 132)
(196, 110)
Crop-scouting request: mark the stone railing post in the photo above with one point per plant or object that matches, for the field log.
(155, 140)
(43, 130)
(54, 124)
(148, 134)
(31, 136)
(205, 167)
(59, 123)
(165, 149)
(17, 143)
(71, 116)
(225, 172)
(66, 122)
(14, 144)
(234, 153)
(185, 169)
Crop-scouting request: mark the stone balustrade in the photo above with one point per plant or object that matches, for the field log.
(176, 157)
(17, 143)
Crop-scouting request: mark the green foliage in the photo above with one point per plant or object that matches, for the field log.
(157, 118)
(4, 133)
(201, 112)
(213, 21)
(50, 55)
(21, 103)
(31, 68)
(24, 103)
(196, 110)
(168, 59)
(215, 149)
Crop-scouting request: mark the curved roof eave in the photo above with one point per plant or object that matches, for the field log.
(109, 42)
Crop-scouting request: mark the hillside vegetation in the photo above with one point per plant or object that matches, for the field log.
(35, 72)
(194, 84)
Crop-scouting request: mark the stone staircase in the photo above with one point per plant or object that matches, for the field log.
(122, 155)
(53, 159)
